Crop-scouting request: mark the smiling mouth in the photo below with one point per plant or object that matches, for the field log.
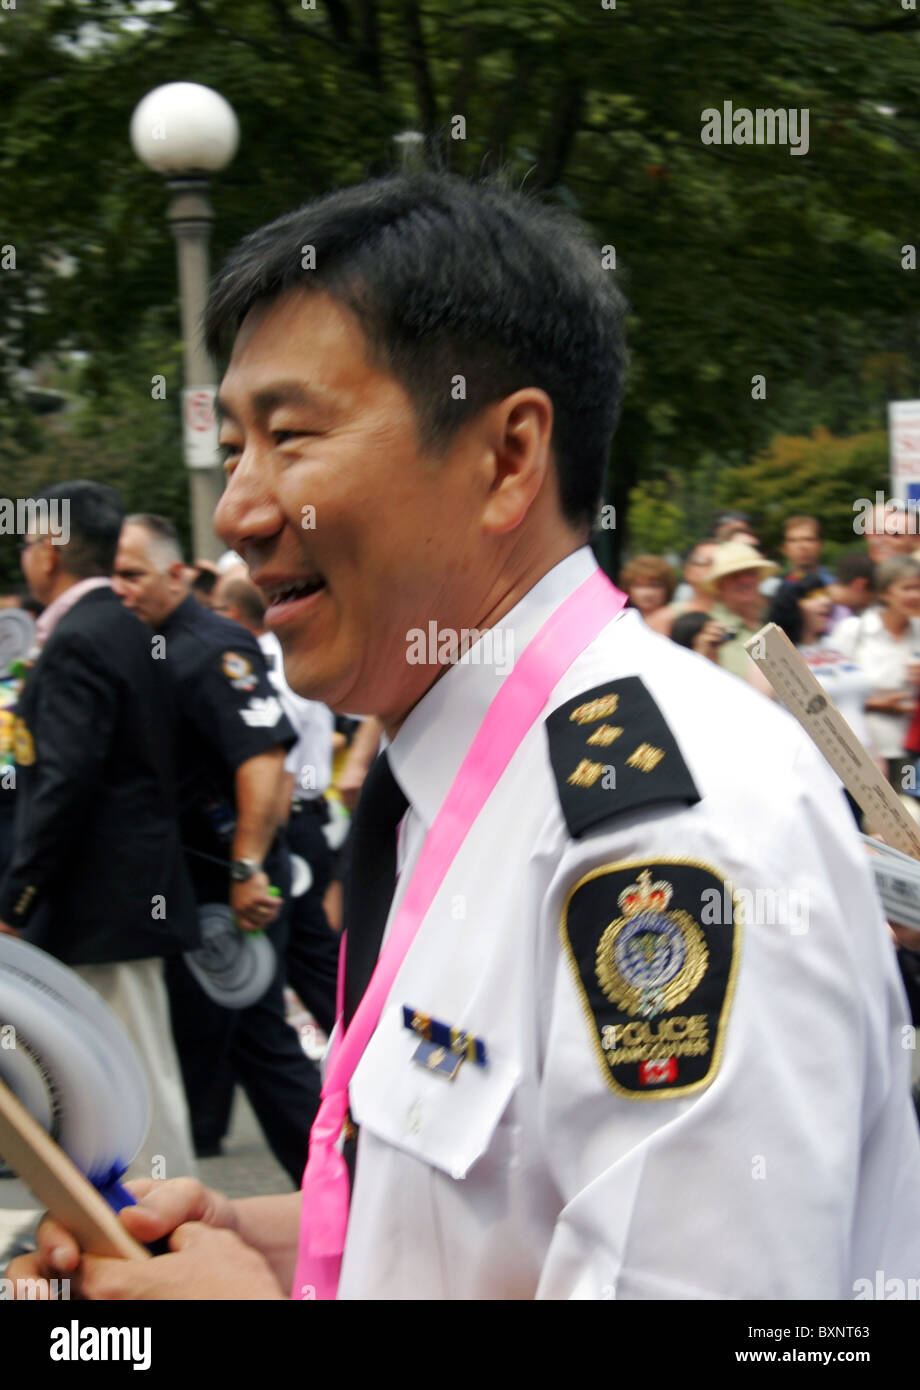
(278, 594)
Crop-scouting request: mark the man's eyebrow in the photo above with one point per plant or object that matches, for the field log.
(264, 401)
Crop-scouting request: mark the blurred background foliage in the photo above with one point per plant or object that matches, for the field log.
(736, 260)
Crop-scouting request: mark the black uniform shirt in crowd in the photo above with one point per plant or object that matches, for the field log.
(228, 712)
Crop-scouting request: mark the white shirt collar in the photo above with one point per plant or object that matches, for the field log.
(426, 753)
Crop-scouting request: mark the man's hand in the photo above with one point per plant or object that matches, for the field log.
(254, 907)
(7, 930)
(161, 1208)
(206, 1264)
(709, 639)
(894, 702)
(908, 937)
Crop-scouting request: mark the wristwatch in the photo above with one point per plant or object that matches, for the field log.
(241, 870)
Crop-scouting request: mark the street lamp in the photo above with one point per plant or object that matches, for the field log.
(186, 132)
(410, 148)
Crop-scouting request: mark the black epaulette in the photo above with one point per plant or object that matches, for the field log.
(612, 751)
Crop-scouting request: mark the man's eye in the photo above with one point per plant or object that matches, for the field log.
(282, 436)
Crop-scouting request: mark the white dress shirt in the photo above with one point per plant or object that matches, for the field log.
(310, 758)
(847, 684)
(884, 658)
(793, 1173)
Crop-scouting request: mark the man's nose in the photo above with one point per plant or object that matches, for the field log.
(248, 508)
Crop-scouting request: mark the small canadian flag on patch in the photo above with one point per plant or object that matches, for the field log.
(657, 1072)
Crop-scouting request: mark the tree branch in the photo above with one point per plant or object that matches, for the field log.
(421, 71)
(466, 73)
(368, 53)
(339, 19)
(561, 132)
(908, 21)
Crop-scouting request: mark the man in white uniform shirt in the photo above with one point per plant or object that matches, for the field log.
(673, 1063)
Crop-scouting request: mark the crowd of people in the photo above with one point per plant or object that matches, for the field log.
(857, 628)
(255, 789)
(140, 792)
(620, 1015)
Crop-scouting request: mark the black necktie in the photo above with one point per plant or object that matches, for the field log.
(369, 877)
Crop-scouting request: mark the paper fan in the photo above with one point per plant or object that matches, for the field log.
(70, 1062)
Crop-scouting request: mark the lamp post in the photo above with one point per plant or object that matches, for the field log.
(186, 132)
(410, 150)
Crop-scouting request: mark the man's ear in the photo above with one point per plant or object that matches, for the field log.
(519, 431)
(52, 559)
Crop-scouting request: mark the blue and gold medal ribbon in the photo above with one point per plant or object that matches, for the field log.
(455, 1040)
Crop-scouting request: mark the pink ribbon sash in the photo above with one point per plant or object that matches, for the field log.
(516, 707)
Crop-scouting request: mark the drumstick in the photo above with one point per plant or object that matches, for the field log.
(803, 696)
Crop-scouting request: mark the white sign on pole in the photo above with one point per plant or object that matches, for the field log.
(904, 446)
(199, 421)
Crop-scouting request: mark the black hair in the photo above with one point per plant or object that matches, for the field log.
(204, 582)
(449, 278)
(94, 515)
(687, 626)
(850, 567)
(785, 611)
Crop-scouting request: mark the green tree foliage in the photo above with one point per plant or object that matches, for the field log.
(738, 260)
(815, 475)
(657, 521)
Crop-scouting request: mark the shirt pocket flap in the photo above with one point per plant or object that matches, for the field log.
(448, 1124)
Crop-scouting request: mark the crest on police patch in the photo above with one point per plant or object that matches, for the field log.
(655, 982)
(650, 960)
(239, 672)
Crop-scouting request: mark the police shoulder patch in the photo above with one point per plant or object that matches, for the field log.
(654, 948)
(238, 670)
(612, 751)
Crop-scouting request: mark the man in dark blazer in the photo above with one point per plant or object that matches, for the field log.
(97, 877)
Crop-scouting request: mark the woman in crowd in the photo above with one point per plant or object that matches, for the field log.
(649, 581)
(803, 610)
(884, 642)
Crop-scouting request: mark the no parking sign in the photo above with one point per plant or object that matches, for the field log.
(199, 420)
(904, 439)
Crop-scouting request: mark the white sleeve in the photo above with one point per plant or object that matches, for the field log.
(844, 636)
(754, 1185)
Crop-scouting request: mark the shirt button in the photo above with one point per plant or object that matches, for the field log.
(415, 1119)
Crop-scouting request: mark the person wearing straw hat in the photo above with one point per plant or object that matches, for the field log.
(737, 572)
